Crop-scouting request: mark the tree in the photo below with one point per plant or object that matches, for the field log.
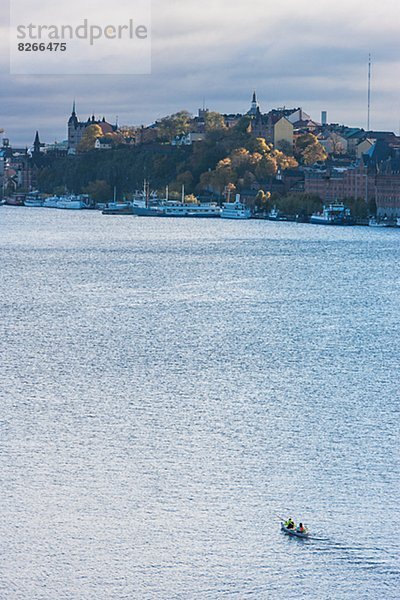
(314, 153)
(260, 146)
(214, 121)
(99, 190)
(174, 125)
(241, 160)
(285, 147)
(298, 204)
(222, 176)
(263, 200)
(89, 138)
(185, 178)
(266, 168)
(359, 208)
(128, 132)
(283, 161)
(337, 144)
(302, 142)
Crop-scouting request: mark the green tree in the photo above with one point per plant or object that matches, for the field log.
(174, 125)
(99, 190)
(267, 167)
(214, 121)
(185, 178)
(285, 147)
(298, 204)
(222, 176)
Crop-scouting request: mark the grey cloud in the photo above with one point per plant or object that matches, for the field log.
(292, 55)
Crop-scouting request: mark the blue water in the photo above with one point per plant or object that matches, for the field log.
(168, 387)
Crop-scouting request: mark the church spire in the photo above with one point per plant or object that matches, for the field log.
(37, 145)
(254, 106)
(73, 120)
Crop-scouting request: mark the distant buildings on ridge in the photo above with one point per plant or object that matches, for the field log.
(360, 164)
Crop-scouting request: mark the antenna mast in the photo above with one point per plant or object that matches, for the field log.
(369, 93)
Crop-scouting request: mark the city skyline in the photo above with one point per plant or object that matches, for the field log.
(293, 55)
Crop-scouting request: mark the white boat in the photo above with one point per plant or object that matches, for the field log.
(334, 214)
(398, 222)
(51, 202)
(71, 203)
(294, 533)
(171, 208)
(373, 222)
(235, 210)
(147, 205)
(34, 200)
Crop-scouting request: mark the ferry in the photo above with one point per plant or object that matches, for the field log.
(334, 214)
(148, 205)
(34, 200)
(170, 208)
(235, 210)
(51, 202)
(71, 202)
(66, 202)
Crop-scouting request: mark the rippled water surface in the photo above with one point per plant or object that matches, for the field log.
(168, 387)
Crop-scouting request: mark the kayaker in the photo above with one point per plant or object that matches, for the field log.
(301, 528)
(289, 523)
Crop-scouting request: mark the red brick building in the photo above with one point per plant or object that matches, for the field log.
(339, 183)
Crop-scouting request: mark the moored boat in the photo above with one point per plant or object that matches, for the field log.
(334, 214)
(373, 222)
(71, 203)
(34, 199)
(275, 215)
(235, 210)
(150, 206)
(51, 202)
(15, 200)
(118, 208)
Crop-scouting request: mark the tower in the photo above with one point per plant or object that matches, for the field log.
(73, 129)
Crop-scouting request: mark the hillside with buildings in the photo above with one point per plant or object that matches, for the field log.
(283, 154)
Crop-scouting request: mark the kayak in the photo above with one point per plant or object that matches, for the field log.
(294, 533)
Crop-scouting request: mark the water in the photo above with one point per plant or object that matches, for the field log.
(170, 386)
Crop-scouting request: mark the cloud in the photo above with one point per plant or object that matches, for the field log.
(293, 53)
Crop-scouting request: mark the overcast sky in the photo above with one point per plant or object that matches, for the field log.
(294, 53)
